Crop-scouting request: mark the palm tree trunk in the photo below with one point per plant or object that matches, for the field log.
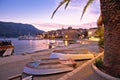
(110, 10)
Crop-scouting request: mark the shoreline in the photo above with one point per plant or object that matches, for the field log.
(35, 54)
(14, 64)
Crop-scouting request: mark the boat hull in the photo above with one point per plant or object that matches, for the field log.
(63, 56)
(6, 48)
(47, 66)
(34, 71)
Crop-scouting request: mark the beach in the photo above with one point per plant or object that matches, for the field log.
(13, 65)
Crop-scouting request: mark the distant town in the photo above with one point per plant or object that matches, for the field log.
(68, 34)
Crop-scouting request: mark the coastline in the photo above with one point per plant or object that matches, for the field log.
(13, 65)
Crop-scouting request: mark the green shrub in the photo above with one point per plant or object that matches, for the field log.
(99, 63)
(100, 34)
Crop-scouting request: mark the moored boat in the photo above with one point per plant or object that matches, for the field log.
(6, 48)
(46, 66)
(72, 54)
(69, 62)
(29, 37)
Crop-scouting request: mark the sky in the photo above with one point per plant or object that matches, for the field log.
(38, 13)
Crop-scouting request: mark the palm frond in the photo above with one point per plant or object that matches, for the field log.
(61, 3)
(86, 6)
(67, 3)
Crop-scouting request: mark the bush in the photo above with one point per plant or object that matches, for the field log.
(99, 63)
(100, 34)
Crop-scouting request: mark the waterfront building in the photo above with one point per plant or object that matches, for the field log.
(69, 33)
(92, 35)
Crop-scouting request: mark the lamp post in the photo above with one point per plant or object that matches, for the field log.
(66, 40)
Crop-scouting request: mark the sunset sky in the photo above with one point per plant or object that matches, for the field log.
(38, 13)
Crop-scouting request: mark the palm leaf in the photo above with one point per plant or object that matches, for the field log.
(67, 3)
(86, 6)
(61, 3)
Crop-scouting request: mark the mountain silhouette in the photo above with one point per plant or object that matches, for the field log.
(11, 29)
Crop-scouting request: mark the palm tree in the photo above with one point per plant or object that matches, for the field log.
(110, 10)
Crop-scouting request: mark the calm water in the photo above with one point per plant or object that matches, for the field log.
(27, 46)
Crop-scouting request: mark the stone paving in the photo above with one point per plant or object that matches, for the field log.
(56, 76)
(84, 72)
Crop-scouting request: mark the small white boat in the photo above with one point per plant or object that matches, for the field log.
(6, 48)
(69, 62)
(46, 66)
(29, 37)
(8, 52)
(71, 54)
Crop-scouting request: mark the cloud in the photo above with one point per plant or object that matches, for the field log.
(71, 16)
(53, 26)
(48, 26)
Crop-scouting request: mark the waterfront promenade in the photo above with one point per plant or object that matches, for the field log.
(13, 65)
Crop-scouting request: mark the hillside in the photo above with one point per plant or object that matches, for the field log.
(10, 29)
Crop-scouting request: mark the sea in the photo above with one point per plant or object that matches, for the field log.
(28, 46)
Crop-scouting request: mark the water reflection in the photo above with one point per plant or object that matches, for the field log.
(66, 42)
(29, 46)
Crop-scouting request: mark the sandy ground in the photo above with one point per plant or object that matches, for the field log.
(13, 65)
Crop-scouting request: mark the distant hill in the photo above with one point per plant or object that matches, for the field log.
(10, 29)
